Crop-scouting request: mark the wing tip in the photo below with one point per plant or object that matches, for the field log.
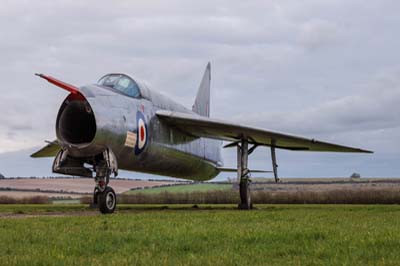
(34, 155)
(357, 150)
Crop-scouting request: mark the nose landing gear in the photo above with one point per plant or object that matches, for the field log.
(104, 196)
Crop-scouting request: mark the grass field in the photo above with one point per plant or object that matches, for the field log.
(208, 235)
(183, 188)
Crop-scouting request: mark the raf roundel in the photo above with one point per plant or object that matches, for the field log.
(141, 133)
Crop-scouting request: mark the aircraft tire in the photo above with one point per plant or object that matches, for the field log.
(95, 196)
(107, 200)
(93, 204)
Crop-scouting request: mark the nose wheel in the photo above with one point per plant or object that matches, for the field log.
(106, 200)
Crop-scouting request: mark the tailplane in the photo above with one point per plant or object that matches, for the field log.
(201, 105)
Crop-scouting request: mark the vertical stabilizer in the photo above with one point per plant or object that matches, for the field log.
(202, 102)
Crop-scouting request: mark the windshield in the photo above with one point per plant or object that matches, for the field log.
(121, 83)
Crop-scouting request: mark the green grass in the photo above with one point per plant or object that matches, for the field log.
(221, 235)
(183, 188)
(40, 208)
(66, 201)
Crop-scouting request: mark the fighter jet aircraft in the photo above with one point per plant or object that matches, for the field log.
(119, 123)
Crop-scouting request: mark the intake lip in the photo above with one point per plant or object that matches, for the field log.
(76, 123)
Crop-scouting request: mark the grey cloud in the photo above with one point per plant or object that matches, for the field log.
(316, 34)
(21, 127)
(374, 109)
(11, 134)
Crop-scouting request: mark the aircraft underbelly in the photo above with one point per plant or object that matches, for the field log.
(167, 161)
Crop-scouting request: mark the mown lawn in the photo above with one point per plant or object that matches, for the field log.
(183, 188)
(209, 235)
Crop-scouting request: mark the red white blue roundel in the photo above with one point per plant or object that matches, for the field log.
(141, 139)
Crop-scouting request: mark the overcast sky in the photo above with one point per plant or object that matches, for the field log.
(322, 69)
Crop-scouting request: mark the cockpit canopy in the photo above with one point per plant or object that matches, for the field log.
(120, 83)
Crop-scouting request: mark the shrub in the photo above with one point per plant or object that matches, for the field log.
(355, 176)
(25, 200)
(339, 196)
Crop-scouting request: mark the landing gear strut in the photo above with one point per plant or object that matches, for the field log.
(243, 175)
(274, 164)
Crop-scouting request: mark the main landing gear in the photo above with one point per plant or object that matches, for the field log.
(243, 172)
(104, 196)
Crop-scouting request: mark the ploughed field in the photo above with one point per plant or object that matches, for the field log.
(264, 191)
(200, 235)
(66, 187)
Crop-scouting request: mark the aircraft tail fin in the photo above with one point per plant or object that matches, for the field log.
(201, 105)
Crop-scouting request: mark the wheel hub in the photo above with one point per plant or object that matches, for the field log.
(110, 200)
